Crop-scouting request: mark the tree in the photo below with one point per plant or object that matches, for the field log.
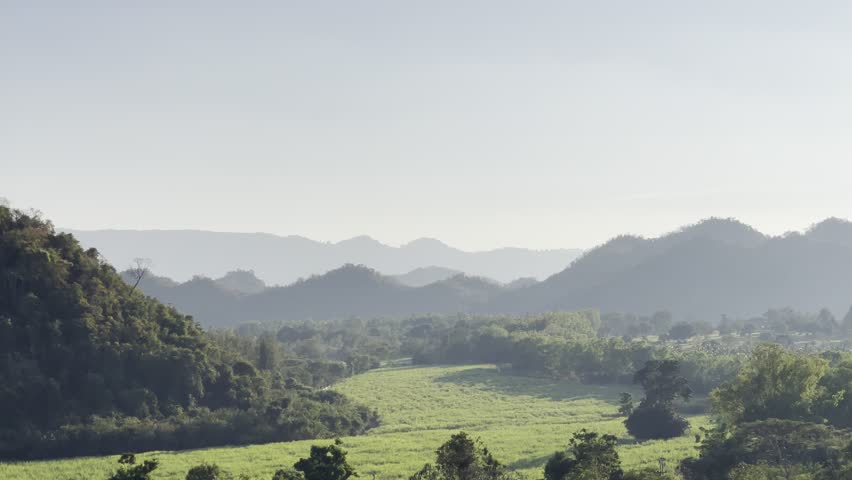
(775, 448)
(847, 322)
(826, 322)
(655, 416)
(775, 383)
(138, 269)
(662, 382)
(131, 471)
(326, 463)
(661, 321)
(682, 331)
(205, 471)
(462, 458)
(589, 456)
(655, 422)
(625, 404)
(267, 352)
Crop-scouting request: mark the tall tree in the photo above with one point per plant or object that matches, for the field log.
(655, 416)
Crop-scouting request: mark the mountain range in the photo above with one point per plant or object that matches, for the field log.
(702, 271)
(182, 254)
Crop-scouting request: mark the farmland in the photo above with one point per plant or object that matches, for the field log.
(522, 420)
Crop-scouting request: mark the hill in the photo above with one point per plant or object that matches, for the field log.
(715, 267)
(712, 268)
(90, 365)
(181, 254)
(351, 290)
(241, 281)
(423, 276)
(521, 419)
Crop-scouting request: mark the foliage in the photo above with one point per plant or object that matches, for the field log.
(662, 382)
(205, 471)
(325, 463)
(767, 445)
(589, 456)
(284, 474)
(88, 365)
(682, 331)
(131, 471)
(655, 418)
(463, 458)
(775, 383)
(625, 404)
(520, 418)
(655, 422)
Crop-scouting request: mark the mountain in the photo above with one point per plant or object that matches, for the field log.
(715, 267)
(718, 266)
(351, 290)
(832, 230)
(423, 276)
(241, 281)
(181, 254)
(522, 282)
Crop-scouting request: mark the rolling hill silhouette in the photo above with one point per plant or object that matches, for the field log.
(715, 267)
(182, 254)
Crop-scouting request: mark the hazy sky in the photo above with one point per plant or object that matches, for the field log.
(491, 123)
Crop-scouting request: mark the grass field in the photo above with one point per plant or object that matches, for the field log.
(522, 420)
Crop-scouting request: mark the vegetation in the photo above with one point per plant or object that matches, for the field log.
(88, 365)
(463, 458)
(131, 471)
(718, 266)
(205, 471)
(325, 463)
(521, 419)
(589, 455)
(784, 415)
(655, 416)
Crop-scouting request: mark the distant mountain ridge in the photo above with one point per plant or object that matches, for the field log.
(715, 267)
(182, 254)
(351, 290)
(420, 277)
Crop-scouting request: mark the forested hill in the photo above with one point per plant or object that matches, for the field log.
(351, 290)
(715, 267)
(182, 254)
(90, 365)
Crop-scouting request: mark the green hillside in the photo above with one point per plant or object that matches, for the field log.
(522, 420)
(89, 365)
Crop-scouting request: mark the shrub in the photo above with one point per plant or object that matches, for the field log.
(205, 471)
(655, 422)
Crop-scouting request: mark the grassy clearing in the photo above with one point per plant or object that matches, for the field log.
(522, 420)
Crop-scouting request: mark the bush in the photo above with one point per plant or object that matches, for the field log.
(655, 422)
(205, 471)
(131, 471)
(287, 475)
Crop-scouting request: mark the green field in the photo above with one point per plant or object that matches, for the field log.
(522, 420)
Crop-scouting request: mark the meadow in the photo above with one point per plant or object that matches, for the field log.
(522, 420)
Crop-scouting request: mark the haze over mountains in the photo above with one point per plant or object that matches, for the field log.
(715, 267)
(182, 254)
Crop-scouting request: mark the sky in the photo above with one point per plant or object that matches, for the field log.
(539, 124)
